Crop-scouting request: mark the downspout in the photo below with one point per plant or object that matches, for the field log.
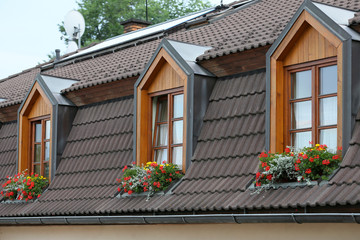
(298, 218)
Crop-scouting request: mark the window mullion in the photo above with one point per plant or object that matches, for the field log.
(314, 104)
(42, 147)
(170, 107)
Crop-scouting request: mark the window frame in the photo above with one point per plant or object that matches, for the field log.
(152, 135)
(31, 164)
(315, 128)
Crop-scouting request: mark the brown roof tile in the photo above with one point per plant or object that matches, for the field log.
(240, 29)
(8, 144)
(14, 88)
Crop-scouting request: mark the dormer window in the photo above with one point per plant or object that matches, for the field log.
(165, 126)
(40, 146)
(168, 121)
(45, 118)
(312, 103)
(309, 92)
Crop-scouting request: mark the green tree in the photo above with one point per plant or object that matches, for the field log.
(103, 17)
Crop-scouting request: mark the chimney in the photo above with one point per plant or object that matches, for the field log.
(134, 24)
(57, 55)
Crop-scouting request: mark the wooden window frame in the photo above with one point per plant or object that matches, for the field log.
(31, 164)
(169, 94)
(315, 128)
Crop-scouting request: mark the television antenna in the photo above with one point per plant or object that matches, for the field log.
(74, 25)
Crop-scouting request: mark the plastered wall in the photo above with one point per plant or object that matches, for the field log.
(185, 232)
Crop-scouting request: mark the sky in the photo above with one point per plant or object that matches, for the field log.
(29, 32)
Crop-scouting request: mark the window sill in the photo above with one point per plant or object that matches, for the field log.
(167, 191)
(16, 201)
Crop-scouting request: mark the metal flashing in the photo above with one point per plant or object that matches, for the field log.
(339, 15)
(297, 218)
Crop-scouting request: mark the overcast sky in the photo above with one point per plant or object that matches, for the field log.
(29, 31)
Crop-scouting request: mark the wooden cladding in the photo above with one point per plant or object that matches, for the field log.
(235, 63)
(307, 42)
(162, 77)
(102, 92)
(310, 46)
(166, 78)
(36, 106)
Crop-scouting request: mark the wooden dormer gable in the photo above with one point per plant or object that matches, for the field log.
(37, 105)
(171, 69)
(311, 37)
(44, 104)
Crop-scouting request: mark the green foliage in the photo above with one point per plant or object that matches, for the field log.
(103, 17)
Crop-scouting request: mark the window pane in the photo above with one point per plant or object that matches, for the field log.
(47, 151)
(301, 115)
(300, 139)
(177, 132)
(329, 137)
(163, 111)
(160, 155)
(177, 156)
(37, 169)
(37, 153)
(328, 111)
(301, 84)
(162, 135)
(178, 106)
(38, 132)
(47, 129)
(328, 80)
(46, 170)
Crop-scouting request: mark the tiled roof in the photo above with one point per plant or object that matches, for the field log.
(226, 155)
(14, 88)
(223, 166)
(243, 28)
(355, 20)
(239, 29)
(8, 144)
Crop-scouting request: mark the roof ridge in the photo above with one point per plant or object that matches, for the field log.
(98, 153)
(100, 136)
(104, 119)
(217, 177)
(1, 138)
(234, 116)
(232, 137)
(81, 187)
(227, 157)
(89, 171)
(238, 96)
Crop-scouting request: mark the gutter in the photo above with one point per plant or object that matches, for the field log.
(298, 218)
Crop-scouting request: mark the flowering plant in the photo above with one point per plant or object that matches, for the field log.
(23, 186)
(150, 178)
(308, 164)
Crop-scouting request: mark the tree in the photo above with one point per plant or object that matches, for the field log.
(103, 17)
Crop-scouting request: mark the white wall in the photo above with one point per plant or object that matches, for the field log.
(287, 231)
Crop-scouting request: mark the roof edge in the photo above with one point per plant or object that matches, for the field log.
(298, 218)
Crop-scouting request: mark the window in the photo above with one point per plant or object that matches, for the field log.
(40, 146)
(167, 127)
(312, 104)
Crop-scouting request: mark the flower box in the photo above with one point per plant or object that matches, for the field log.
(148, 180)
(308, 166)
(167, 191)
(23, 187)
